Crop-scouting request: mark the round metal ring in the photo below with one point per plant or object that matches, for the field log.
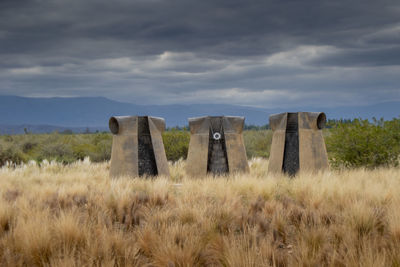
(217, 136)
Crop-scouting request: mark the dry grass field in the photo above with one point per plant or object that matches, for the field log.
(75, 215)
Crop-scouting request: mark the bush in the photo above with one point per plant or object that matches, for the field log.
(176, 143)
(258, 143)
(81, 151)
(364, 144)
(356, 143)
(28, 146)
(102, 151)
(57, 151)
(11, 154)
(69, 148)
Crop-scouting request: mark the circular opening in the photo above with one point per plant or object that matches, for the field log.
(217, 136)
(321, 121)
(113, 124)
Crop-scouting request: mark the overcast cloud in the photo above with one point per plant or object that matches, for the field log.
(258, 53)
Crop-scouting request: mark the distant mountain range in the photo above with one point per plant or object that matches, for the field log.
(78, 114)
(29, 128)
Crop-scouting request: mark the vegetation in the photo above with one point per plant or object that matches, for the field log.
(74, 215)
(65, 148)
(361, 143)
(176, 143)
(69, 213)
(257, 143)
(350, 143)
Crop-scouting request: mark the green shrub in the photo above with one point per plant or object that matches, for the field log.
(81, 151)
(11, 154)
(102, 151)
(258, 143)
(364, 144)
(69, 148)
(28, 146)
(176, 143)
(57, 151)
(355, 143)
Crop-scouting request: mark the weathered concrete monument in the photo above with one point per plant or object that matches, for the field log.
(137, 148)
(216, 146)
(297, 143)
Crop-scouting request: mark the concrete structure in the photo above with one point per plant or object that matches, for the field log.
(137, 148)
(297, 143)
(216, 146)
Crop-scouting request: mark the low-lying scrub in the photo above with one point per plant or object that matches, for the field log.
(68, 148)
(350, 144)
(64, 148)
(74, 215)
(361, 143)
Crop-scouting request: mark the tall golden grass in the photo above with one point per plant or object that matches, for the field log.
(75, 215)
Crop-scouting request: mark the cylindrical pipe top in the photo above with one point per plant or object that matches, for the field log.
(123, 124)
(114, 125)
(321, 121)
(317, 120)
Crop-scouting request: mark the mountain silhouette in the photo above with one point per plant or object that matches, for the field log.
(79, 113)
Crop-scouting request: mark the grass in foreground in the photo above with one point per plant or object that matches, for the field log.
(75, 215)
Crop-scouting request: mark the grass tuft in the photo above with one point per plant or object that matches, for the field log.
(74, 215)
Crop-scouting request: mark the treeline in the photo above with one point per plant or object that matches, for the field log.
(350, 143)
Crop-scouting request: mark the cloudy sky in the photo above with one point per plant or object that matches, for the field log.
(267, 53)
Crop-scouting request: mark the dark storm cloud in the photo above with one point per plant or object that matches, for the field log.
(243, 52)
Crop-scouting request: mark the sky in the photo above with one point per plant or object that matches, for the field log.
(263, 53)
